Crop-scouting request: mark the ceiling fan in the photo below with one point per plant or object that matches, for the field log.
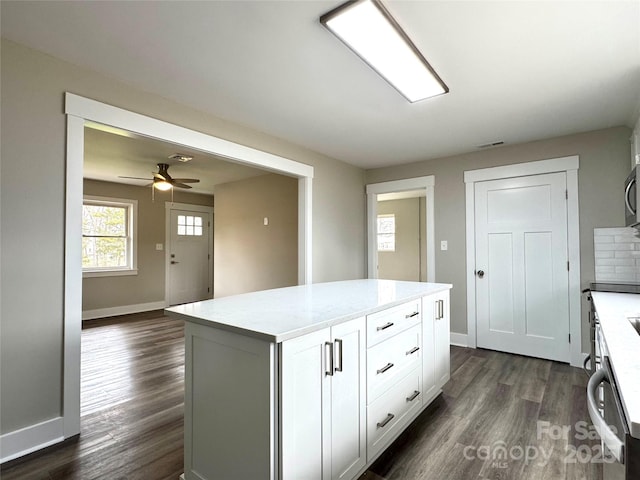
(163, 181)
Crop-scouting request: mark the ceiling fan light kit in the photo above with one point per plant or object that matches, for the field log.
(162, 185)
(163, 181)
(369, 30)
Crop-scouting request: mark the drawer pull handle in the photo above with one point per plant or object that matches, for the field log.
(413, 396)
(383, 423)
(412, 315)
(385, 326)
(385, 368)
(413, 350)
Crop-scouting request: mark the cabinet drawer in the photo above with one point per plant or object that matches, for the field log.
(385, 324)
(389, 361)
(389, 414)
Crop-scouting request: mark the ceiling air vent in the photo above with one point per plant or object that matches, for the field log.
(488, 145)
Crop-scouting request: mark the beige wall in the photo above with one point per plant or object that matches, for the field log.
(249, 255)
(604, 164)
(148, 286)
(32, 217)
(404, 262)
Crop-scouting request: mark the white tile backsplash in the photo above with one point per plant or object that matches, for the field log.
(617, 255)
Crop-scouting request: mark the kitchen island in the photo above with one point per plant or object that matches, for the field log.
(313, 381)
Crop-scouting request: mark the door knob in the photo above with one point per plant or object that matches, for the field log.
(173, 262)
(480, 273)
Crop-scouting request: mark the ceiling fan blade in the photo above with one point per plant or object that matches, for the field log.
(163, 178)
(186, 180)
(180, 185)
(134, 178)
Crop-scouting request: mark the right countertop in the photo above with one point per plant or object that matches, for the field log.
(623, 345)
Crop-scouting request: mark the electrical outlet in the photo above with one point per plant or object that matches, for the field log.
(159, 246)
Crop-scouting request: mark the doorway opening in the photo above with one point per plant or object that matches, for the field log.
(401, 232)
(82, 111)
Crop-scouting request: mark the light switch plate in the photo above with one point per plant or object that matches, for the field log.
(443, 245)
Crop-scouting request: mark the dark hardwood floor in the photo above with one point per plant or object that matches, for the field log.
(132, 416)
(132, 406)
(501, 416)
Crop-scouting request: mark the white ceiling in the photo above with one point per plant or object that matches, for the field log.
(114, 153)
(517, 71)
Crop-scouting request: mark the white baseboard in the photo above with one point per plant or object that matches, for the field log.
(122, 310)
(29, 439)
(459, 339)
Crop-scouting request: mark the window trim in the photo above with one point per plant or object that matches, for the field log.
(378, 233)
(132, 238)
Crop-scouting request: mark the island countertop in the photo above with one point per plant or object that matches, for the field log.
(284, 313)
(623, 346)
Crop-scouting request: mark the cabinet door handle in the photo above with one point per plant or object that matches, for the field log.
(412, 315)
(329, 357)
(339, 352)
(413, 396)
(383, 423)
(413, 350)
(385, 326)
(441, 309)
(385, 368)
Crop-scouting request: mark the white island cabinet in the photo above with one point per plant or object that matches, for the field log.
(309, 382)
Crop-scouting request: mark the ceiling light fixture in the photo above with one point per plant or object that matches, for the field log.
(368, 29)
(162, 185)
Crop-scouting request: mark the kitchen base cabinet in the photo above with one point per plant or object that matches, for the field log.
(442, 339)
(322, 409)
(309, 403)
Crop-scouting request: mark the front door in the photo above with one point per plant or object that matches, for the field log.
(189, 272)
(522, 282)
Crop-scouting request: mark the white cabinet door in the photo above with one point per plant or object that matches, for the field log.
(442, 338)
(429, 313)
(323, 407)
(348, 406)
(305, 408)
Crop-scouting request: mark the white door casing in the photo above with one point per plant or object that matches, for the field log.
(81, 111)
(522, 302)
(570, 166)
(427, 183)
(189, 253)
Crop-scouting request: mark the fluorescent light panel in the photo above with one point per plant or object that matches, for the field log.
(368, 29)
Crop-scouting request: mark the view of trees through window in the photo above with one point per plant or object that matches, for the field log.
(104, 236)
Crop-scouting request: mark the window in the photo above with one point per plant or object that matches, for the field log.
(108, 236)
(190, 225)
(387, 233)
